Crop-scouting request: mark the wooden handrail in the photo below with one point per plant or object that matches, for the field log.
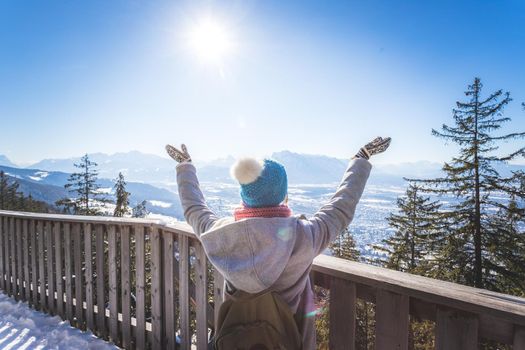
(453, 295)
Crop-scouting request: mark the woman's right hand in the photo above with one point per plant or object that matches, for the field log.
(178, 155)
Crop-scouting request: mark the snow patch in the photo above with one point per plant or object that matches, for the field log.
(24, 328)
(13, 175)
(160, 204)
(105, 190)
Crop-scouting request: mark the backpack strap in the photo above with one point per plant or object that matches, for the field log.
(237, 294)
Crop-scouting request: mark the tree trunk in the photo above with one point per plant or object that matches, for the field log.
(477, 215)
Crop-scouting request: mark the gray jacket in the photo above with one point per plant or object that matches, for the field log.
(258, 253)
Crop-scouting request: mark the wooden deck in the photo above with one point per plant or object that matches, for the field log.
(141, 283)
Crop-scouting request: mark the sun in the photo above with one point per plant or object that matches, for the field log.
(210, 40)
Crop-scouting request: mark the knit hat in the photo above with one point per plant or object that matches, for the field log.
(263, 184)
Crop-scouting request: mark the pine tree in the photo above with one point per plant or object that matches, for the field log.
(140, 210)
(344, 246)
(472, 179)
(506, 244)
(3, 190)
(122, 196)
(418, 222)
(84, 185)
(12, 199)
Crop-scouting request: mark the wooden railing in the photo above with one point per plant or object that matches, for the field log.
(142, 284)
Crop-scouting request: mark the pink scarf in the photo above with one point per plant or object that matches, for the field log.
(244, 212)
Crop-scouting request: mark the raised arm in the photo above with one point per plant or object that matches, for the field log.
(196, 212)
(337, 214)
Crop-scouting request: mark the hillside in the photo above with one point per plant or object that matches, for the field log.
(48, 186)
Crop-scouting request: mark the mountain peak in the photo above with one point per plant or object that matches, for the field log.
(6, 162)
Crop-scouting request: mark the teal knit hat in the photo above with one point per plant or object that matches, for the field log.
(263, 184)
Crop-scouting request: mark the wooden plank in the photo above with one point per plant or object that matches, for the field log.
(27, 279)
(77, 263)
(88, 252)
(125, 287)
(191, 288)
(456, 330)
(140, 280)
(156, 288)
(495, 329)
(113, 289)
(218, 290)
(519, 338)
(391, 320)
(59, 273)
(34, 266)
(2, 245)
(14, 264)
(184, 302)
(5, 248)
(342, 314)
(68, 271)
(50, 273)
(201, 296)
(169, 290)
(41, 267)
(101, 302)
(19, 262)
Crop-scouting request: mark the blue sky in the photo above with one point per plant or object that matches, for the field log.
(319, 77)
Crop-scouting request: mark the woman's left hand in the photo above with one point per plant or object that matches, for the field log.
(178, 155)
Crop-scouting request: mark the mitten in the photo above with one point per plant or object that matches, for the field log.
(378, 145)
(177, 155)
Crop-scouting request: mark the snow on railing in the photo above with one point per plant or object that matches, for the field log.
(143, 284)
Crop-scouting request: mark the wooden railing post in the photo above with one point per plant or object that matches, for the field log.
(519, 338)
(34, 266)
(201, 296)
(140, 280)
(391, 320)
(101, 296)
(125, 289)
(26, 281)
(41, 266)
(88, 259)
(77, 255)
(157, 289)
(456, 330)
(19, 263)
(184, 295)
(68, 271)
(342, 314)
(2, 273)
(169, 290)
(112, 288)
(59, 271)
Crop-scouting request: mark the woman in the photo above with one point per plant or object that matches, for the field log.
(264, 246)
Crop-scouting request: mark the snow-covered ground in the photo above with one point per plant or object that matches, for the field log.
(24, 328)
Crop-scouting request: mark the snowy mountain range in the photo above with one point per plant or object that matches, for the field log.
(152, 177)
(301, 168)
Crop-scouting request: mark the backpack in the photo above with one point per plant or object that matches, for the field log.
(261, 321)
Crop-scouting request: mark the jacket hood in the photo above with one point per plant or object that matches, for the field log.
(251, 253)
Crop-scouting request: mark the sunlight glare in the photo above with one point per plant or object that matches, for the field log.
(210, 40)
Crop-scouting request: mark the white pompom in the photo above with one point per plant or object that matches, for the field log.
(246, 170)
